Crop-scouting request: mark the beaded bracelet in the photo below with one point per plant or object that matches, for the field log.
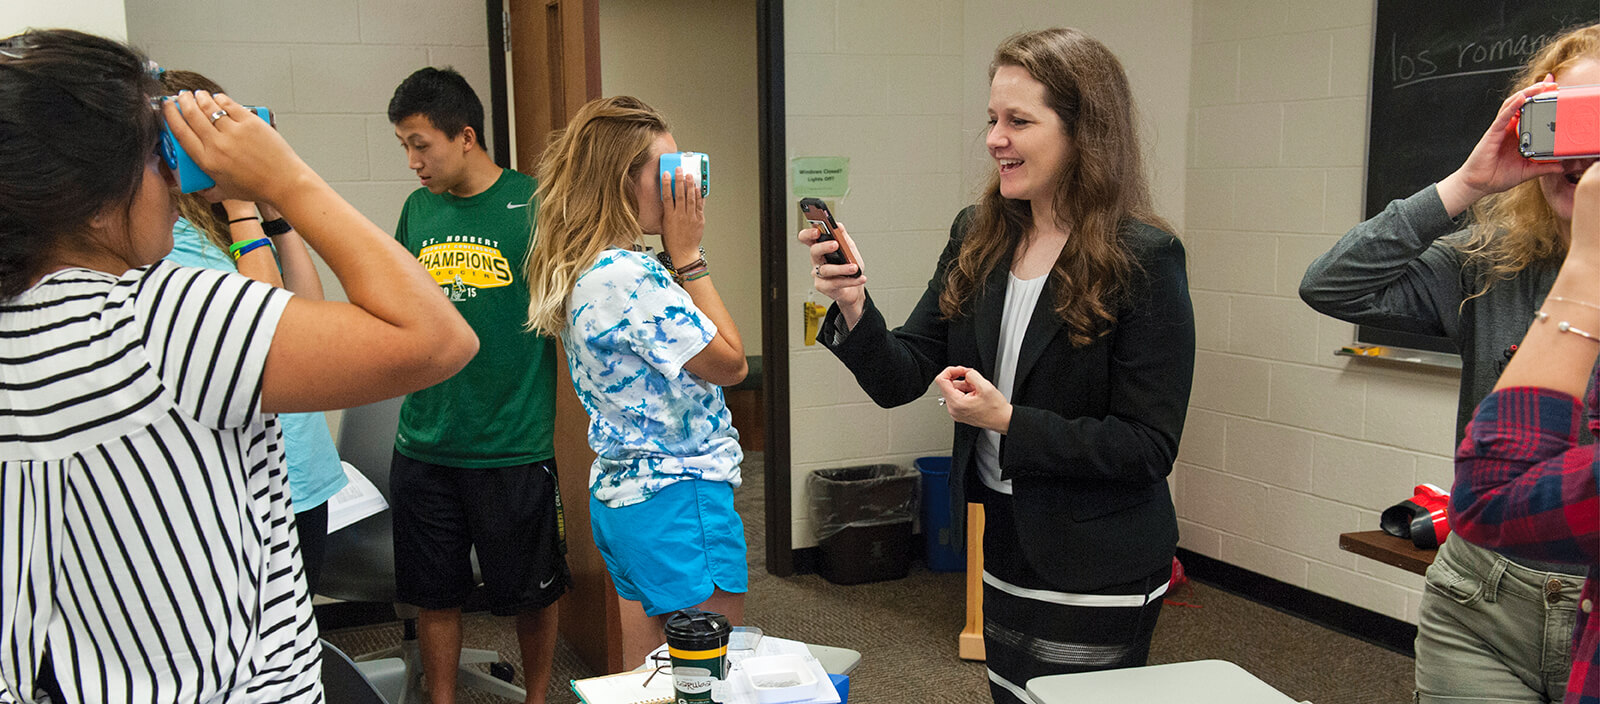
(695, 269)
(239, 249)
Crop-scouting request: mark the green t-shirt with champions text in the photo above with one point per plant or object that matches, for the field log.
(500, 409)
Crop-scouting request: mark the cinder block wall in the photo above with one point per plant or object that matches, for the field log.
(1286, 444)
(881, 83)
(327, 69)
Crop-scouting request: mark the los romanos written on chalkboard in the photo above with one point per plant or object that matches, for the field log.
(1440, 69)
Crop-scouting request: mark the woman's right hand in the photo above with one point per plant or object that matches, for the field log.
(247, 157)
(1495, 164)
(839, 282)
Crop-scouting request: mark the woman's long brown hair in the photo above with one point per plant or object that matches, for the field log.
(1097, 193)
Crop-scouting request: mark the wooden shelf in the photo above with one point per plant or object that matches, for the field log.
(1389, 550)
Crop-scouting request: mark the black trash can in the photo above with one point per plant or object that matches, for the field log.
(863, 519)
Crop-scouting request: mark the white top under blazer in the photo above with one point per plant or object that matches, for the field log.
(1021, 298)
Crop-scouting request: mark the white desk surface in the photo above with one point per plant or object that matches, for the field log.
(835, 661)
(1197, 682)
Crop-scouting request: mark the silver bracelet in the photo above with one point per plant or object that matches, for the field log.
(1585, 304)
(1565, 326)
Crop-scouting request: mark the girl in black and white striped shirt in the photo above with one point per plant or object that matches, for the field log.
(147, 546)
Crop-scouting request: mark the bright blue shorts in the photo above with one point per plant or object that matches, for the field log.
(673, 550)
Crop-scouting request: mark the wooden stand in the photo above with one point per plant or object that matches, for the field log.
(971, 640)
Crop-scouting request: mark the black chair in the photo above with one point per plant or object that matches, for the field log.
(359, 566)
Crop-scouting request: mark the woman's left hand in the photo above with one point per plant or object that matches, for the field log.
(683, 218)
(972, 400)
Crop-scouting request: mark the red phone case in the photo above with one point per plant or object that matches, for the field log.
(1578, 121)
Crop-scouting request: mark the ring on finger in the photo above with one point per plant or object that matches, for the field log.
(816, 271)
(219, 114)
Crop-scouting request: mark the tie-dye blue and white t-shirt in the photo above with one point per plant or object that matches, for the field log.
(630, 329)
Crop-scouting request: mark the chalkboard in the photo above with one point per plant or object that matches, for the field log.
(1440, 69)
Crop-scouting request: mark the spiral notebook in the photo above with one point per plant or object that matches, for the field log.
(625, 688)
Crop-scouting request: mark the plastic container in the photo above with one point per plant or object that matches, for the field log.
(945, 552)
(863, 518)
(780, 678)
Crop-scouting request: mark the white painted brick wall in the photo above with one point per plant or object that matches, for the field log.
(1314, 445)
(877, 82)
(327, 68)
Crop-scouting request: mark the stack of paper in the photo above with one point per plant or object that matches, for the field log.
(626, 688)
(357, 500)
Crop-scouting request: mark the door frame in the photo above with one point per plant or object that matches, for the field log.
(774, 242)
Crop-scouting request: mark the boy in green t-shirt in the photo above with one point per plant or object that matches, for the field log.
(474, 460)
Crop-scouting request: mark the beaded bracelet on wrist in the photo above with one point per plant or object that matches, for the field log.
(679, 273)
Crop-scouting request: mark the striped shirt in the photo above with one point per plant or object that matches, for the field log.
(1526, 488)
(146, 536)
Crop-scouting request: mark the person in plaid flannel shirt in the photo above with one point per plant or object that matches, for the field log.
(1524, 486)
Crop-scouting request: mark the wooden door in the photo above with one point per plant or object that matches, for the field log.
(555, 69)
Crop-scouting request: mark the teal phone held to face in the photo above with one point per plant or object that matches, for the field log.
(692, 163)
(190, 177)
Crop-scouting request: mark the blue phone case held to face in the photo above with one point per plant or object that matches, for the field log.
(691, 162)
(190, 177)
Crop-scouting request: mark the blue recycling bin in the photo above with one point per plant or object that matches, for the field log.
(945, 553)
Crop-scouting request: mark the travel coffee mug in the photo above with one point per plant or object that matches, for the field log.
(698, 643)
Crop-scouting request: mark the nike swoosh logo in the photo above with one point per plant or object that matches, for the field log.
(513, 206)
(546, 584)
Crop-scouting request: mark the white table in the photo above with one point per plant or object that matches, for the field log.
(1197, 682)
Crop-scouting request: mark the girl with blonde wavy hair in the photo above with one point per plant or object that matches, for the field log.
(1416, 267)
(649, 344)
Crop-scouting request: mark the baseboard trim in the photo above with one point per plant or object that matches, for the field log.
(1370, 626)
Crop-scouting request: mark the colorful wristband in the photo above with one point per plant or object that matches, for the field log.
(666, 261)
(239, 249)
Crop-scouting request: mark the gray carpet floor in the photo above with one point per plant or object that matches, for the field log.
(906, 631)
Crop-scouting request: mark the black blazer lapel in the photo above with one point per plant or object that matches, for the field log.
(1042, 328)
(986, 320)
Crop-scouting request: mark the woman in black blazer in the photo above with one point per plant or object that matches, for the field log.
(1059, 331)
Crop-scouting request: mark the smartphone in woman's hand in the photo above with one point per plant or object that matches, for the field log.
(817, 214)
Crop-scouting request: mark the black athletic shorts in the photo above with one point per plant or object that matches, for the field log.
(511, 515)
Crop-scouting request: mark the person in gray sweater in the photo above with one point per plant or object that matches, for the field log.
(1490, 628)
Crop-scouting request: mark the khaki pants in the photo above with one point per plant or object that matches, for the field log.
(1491, 630)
